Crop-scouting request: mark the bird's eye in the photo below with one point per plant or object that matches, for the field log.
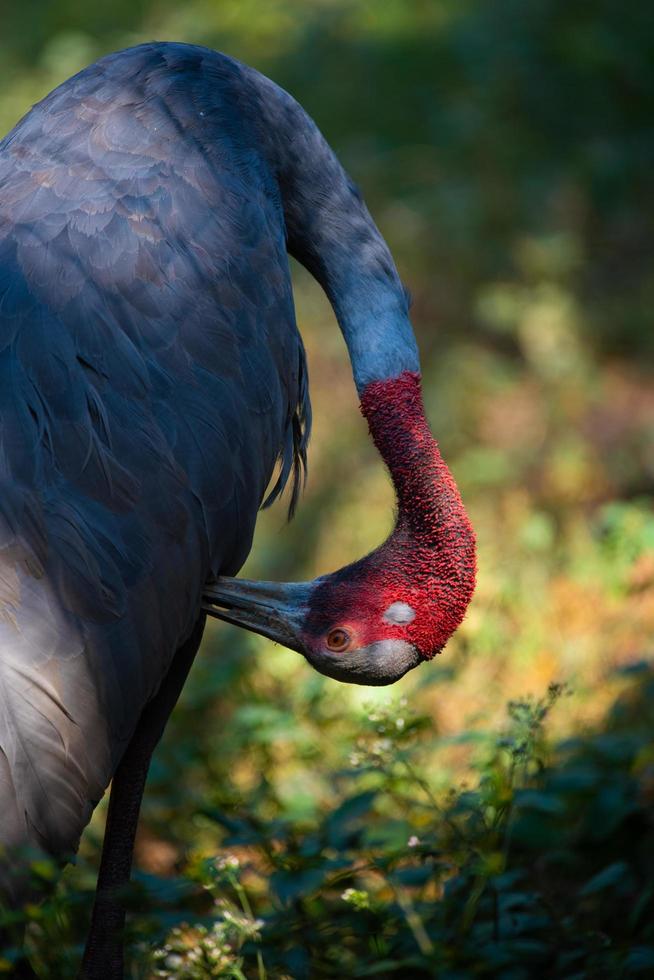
(338, 640)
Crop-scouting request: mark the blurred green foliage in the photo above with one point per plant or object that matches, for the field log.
(507, 152)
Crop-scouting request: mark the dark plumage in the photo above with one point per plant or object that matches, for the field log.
(151, 374)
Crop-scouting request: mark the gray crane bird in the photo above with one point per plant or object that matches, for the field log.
(151, 378)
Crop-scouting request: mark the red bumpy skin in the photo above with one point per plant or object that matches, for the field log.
(429, 560)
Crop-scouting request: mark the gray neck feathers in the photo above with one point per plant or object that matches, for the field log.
(330, 231)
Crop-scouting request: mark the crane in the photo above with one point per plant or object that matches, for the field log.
(152, 377)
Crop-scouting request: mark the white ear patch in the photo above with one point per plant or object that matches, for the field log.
(399, 613)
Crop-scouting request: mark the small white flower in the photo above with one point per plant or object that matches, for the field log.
(414, 841)
(357, 898)
(227, 863)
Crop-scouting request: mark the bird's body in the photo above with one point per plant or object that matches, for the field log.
(151, 376)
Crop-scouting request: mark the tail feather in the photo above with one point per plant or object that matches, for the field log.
(293, 457)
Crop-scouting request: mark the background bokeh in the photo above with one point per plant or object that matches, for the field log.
(507, 153)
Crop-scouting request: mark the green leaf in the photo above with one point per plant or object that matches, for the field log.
(347, 819)
(639, 958)
(608, 878)
(536, 800)
(289, 885)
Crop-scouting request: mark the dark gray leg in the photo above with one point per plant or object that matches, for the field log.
(103, 956)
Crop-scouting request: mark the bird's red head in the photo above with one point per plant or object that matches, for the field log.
(408, 596)
(374, 620)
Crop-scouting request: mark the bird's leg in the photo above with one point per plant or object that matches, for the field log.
(103, 955)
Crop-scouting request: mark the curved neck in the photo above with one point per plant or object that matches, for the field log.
(430, 508)
(330, 231)
(374, 320)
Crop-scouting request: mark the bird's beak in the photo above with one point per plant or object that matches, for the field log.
(273, 609)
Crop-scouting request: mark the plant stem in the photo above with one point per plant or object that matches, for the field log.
(247, 908)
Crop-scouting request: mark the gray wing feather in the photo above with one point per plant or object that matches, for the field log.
(151, 374)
